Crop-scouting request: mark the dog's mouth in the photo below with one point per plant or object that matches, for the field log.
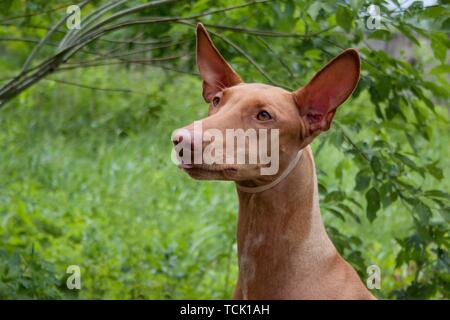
(210, 171)
(208, 168)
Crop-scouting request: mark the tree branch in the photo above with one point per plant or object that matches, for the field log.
(94, 87)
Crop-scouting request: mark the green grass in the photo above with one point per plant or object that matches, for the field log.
(86, 179)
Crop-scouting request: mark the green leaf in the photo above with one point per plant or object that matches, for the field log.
(380, 34)
(437, 90)
(403, 28)
(445, 213)
(446, 24)
(375, 163)
(373, 203)
(434, 12)
(314, 9)
(381, 89)
(344, 17)
(362, 181)
(423, 211)
(322, 188)
(388, 194)
(349, 210)
(337, 213)
(438, 45)
(437, 194)
(410, 163)
(335, 196)
(435, 171)
(440, 69)
(415, 7)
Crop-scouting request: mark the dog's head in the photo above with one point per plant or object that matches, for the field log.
(242, 115)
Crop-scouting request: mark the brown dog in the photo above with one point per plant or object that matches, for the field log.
(284, 250)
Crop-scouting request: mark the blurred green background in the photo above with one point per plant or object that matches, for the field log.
(85, 171)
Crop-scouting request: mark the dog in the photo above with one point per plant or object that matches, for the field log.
(284, 251)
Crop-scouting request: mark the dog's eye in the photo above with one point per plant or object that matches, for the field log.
(216, 101)
(263, 116)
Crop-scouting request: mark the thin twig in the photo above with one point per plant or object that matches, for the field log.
(94, 87)
(264, 33)
(130, 53)
(122, 61)
(277, 56)
(35, 13)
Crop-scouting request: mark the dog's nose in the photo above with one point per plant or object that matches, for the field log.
(179, 136)
(183, 136)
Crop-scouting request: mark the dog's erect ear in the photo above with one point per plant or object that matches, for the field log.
(328, 89)
(216, 73)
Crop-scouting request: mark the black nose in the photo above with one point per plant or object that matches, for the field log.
(183, 137)
(176, 141)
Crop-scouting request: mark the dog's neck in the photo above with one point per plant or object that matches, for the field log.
(281, 237)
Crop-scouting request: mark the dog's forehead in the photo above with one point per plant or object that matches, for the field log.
(261, 87)
(260, 92)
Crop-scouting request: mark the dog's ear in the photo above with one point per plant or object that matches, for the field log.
(327, 90)
(216, 73)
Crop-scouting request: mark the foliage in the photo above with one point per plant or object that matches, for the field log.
(85, 176)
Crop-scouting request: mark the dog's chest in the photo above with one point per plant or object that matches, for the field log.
(247, 260)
